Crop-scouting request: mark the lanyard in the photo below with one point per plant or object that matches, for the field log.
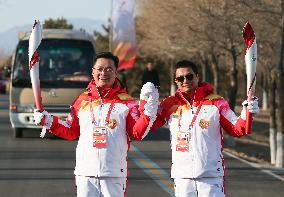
(108, 113)
(193, 119)
(109, 110)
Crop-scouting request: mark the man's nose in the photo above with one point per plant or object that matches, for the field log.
(104, 71)
(185, 80)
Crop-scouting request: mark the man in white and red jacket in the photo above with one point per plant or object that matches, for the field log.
(104, 118)
(196, 117)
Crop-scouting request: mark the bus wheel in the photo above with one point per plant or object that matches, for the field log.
(18, 132)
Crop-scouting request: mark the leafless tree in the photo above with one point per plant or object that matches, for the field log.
(210, 29)
(272, 29)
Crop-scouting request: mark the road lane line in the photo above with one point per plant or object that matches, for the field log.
(152, 169)
(256, 166)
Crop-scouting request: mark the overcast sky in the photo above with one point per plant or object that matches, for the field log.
(22, 12)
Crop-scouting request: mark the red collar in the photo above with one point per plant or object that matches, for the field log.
(203, 90)
(106, 93)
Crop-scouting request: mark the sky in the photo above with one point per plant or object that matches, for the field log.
(22, 12)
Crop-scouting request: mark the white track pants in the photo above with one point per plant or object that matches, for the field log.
(199, 187)
(100, 187)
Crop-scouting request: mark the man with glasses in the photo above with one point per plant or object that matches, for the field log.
(104, 118)
(196, 117)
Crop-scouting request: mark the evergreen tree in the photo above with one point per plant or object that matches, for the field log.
(102, 40)
(60, 23)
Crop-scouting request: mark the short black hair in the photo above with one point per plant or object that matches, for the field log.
(107, 55)
(186, 64)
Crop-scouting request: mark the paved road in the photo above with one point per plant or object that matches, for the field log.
(32, 167)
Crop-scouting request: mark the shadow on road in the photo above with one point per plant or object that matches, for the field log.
(162, 134)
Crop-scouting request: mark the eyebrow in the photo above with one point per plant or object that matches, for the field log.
(101, 66)
(185, 74)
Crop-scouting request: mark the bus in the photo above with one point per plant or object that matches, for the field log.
(65, 69)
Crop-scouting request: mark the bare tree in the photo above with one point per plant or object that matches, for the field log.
(273, 46)
(280, 88)
(205, 28)
(272, 119)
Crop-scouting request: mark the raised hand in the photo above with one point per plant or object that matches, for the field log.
(252, 106)
(44, 119)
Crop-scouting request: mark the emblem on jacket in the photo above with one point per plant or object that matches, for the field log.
(112, 123)
(204, 124)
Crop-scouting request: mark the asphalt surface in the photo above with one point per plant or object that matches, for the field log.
(32, 167)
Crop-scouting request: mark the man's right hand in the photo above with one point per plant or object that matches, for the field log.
(43, 118)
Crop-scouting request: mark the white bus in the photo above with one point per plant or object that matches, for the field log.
(65, 64)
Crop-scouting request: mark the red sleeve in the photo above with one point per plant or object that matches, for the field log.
(159, 122)
(68, 129)
(166, 108)
(233, 125)
(137, 123)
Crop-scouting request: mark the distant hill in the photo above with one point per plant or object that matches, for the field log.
(9, 38)
(88, 24)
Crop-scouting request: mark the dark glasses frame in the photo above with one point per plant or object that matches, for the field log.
(181, 79)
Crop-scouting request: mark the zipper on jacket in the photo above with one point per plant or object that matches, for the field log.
(192, 148)
(193, 162)
(101, 123)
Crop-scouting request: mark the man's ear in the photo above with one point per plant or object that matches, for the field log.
(198, 77)
(175, 81)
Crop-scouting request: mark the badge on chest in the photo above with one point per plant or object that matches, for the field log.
(182, 143)
(99, 137)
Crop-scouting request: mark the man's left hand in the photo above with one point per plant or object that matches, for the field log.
(252, 106)
(147, 90)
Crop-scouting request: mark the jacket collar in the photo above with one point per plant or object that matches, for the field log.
(203, 90)
(107, 93)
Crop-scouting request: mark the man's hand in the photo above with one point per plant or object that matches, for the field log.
(150, 94)
(147, 90)
(252, 106)
(43, 118)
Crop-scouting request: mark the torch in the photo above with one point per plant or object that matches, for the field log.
(34, 42)
(250, 59)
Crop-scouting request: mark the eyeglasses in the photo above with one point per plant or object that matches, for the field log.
(181, 79)
(106, 70)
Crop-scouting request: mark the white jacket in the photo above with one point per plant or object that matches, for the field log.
(126, 121)
(198, 153)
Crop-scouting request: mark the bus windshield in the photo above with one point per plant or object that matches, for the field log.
(62, 64)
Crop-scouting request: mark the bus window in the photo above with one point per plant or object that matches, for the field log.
(63, 63)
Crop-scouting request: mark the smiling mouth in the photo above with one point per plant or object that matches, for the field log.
(186, 85)
(104, 79)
